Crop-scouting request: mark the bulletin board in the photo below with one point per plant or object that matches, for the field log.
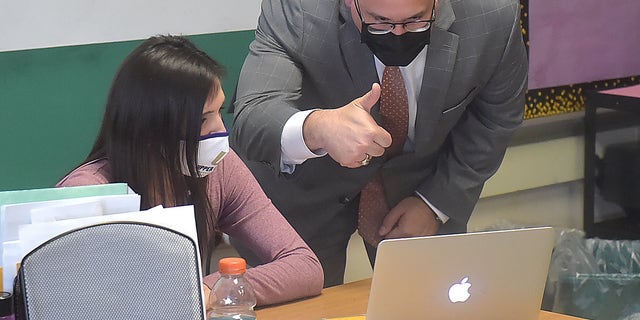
(578, 45)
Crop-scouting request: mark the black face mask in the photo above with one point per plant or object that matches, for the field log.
(393, 50)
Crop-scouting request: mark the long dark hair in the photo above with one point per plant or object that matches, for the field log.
(156, 100)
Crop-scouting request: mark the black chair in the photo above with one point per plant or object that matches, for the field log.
(121, 270)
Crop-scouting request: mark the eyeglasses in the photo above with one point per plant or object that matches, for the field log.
(409, 26)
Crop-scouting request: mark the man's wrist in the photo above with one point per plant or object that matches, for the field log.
(309, 133)
(437, 218)
(443, 218)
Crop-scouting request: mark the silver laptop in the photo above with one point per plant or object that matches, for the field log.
(481, 276)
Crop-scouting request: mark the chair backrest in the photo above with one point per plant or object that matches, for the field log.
(121, 270)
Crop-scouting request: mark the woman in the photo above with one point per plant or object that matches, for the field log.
(162, 133)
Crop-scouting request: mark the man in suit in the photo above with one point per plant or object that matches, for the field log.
(309, 124)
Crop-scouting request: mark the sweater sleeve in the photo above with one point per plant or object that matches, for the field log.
(291, 269)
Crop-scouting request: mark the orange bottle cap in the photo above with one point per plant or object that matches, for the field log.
(232, 266)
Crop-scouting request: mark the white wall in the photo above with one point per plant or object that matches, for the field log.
(29, 24)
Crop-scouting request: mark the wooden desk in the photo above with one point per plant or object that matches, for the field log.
(346, 300)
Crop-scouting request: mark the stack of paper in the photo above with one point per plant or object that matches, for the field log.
(28, 218)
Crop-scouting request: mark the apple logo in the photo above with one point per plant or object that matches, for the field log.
(459, 292)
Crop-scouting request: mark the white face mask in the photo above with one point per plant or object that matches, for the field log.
(211, 149)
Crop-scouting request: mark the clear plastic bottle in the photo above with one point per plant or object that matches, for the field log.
(6, 306)
(232, 297)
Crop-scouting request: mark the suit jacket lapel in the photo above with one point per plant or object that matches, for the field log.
(441, 57)
(358, 59)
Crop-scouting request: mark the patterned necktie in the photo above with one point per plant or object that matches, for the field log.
(394, 112)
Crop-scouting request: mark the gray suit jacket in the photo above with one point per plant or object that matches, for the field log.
(307, 54)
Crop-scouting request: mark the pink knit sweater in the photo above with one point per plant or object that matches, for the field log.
(244, 212)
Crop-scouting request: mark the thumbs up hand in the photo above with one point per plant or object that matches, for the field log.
(349, 134)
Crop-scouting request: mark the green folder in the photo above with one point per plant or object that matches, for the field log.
(46, 194)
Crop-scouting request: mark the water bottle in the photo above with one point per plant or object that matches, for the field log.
(6, 306)
(232, 297)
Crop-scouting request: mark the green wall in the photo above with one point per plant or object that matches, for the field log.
(51, 102)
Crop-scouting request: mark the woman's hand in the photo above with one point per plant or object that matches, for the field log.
(207, 293)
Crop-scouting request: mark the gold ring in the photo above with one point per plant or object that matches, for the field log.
(366, 160)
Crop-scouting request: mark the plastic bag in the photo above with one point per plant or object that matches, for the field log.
(594, 278)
